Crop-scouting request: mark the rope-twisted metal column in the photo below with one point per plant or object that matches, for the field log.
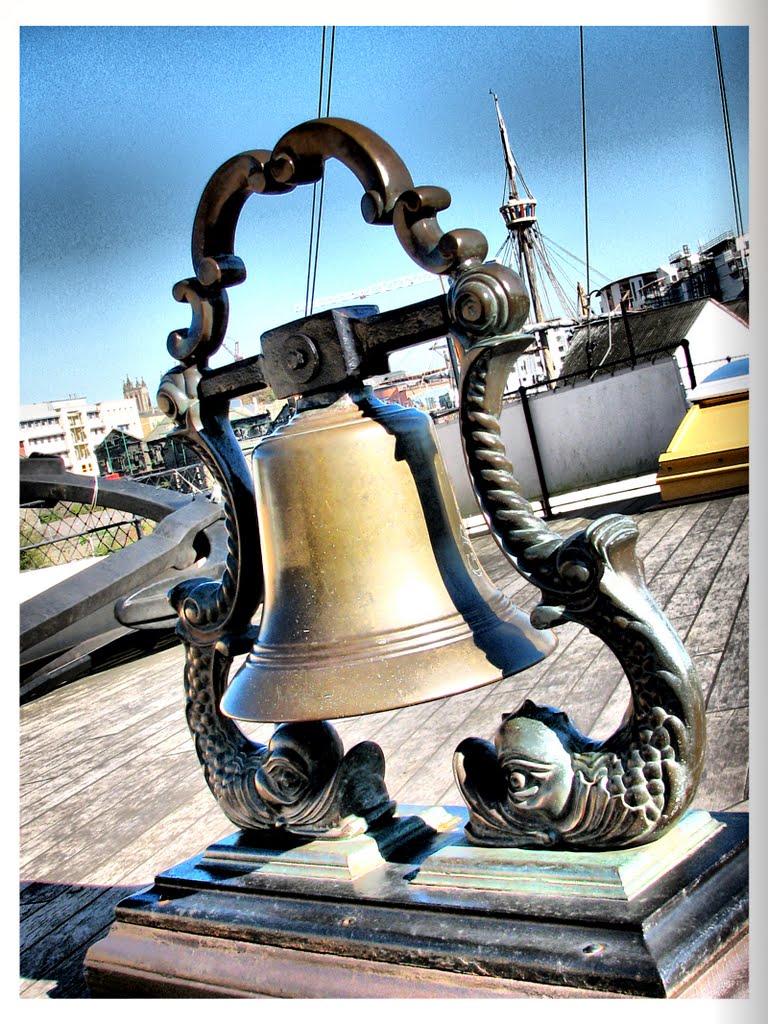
(522, 534)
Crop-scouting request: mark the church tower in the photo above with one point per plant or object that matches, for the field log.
(139, 391)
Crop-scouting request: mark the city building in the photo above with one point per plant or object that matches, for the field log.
(544, 359)
(151, 419)
(150, 415)
(72, 428)
(430, 392)
(116, 414)
(718, 270)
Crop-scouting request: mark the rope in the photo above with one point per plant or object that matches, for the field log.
(578, 259)
(728, 137)
(95, 491)
(317, 201)
(314, 186)
(586, 192)
(543, 256)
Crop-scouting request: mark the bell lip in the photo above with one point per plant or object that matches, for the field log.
(258, 693)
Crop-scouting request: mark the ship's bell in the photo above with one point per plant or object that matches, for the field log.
(374, 597)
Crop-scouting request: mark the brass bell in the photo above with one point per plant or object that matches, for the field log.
(374, 598)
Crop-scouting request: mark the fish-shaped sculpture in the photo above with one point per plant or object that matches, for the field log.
(541, 782)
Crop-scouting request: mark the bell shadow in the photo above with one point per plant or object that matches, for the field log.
(502, 632)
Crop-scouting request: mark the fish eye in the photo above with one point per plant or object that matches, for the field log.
(517, 780)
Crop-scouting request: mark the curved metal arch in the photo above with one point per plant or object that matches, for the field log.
(300, 155)
(299, 158)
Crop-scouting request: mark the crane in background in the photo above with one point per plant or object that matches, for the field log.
(364, 292)
(235, 353)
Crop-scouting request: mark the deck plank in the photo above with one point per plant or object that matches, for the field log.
(713, 623)
(730, 688)
(726, 777)
(54, 961)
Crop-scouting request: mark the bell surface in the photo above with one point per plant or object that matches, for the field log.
(374, 597)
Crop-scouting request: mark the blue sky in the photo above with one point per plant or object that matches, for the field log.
(121, 127)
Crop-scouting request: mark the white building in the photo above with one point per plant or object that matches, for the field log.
(71, 428)
(544, 359)
(635, 289)
(119, 414)
(718, 270)
(730, 258)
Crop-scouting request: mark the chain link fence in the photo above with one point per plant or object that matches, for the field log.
(193, 479)
(69, 531)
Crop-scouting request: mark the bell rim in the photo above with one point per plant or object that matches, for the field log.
(262, 692)
(399, 642)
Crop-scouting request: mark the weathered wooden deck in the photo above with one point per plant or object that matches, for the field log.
(111, 790)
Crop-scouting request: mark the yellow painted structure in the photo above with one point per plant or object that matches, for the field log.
(710, 449)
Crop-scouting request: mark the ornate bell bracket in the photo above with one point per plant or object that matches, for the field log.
(327, 351)
(324, 352)
(389, 198)
(541, 782)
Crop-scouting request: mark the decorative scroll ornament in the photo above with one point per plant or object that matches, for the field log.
(487, 301)
(542, 782)
(299, 158)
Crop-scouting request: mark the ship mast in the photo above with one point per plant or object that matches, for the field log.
(520, 217)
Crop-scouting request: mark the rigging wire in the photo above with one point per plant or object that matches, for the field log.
(520, 176)
(317, 200)
(504, 189)
(586, 192)
(579, 260)
(566, 269)
(571, 284)
(504, 250)
(728, 136)
(546, 263)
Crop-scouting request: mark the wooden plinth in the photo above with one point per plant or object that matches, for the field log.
(397, 917)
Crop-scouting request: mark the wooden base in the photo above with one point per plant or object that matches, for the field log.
(251, 918)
